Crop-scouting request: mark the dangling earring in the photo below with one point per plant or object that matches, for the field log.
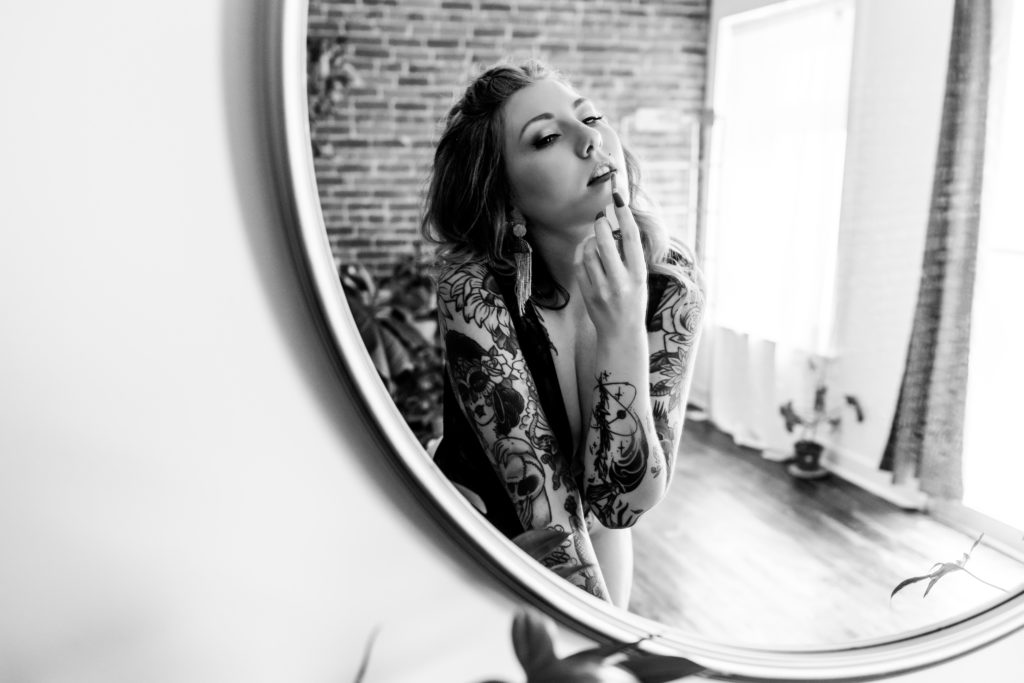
(524, 260)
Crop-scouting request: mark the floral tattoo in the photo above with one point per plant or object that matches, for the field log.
(500, 399)
(674, 329)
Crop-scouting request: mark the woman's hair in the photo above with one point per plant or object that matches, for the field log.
(468, 200)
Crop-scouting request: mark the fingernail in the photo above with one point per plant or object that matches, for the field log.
(600, 215)
(617, 198)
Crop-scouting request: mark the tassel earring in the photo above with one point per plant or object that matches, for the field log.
(524, 260)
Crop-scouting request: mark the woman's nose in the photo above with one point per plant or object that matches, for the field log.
(590, 139)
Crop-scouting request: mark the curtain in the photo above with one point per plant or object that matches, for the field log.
(750, 379)
(926, 439)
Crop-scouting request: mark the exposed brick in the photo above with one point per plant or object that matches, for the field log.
(411, 105)
(370, 51)
(416, 56)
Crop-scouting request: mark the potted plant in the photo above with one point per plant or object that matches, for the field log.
(807, 450)
(397, 321)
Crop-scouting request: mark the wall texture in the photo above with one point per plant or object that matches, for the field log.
(643, 63)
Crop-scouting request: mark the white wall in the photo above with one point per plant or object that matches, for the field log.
(186, 491)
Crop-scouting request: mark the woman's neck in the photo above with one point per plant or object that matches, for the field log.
(558, 249)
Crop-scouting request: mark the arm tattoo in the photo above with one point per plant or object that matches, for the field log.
(499, 398)
(524, 477)
(579, 530)
(674, 329)
(620, 451)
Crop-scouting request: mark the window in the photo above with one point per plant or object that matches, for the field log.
(992, 459)
(782, 76)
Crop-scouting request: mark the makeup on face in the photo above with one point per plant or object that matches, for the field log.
(560, 154)
(604, 173)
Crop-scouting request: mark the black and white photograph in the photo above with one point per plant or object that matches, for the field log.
(511, 341)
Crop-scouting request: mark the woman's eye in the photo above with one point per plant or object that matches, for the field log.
(546, 140)
(591, 120)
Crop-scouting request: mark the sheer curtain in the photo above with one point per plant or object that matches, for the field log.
(781, 83)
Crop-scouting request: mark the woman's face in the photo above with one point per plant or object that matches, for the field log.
(558, 151)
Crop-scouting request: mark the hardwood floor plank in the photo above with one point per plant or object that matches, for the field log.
(741, 551)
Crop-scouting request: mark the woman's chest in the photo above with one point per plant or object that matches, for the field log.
(574, 341)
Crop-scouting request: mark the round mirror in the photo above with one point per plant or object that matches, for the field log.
(843, 499)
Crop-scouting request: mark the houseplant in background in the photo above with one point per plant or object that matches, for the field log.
(329, 75)
(397, 321)
(807, 450)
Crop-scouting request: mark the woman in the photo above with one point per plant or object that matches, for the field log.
(569, 326)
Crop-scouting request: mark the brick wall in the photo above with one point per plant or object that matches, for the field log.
(642, 61)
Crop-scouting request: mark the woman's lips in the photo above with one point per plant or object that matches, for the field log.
(603, 178)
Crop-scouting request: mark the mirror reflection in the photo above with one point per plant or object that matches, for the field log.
(824, 185)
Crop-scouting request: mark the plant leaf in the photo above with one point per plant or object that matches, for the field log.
(991, 585)
(609, 649)
(945, 568)
(582, 671)
(531, 641)
(975, 545)
(651, 668)
(906, 582)
(855, 404)
(399, 358)
(790, 416)
(940, 569)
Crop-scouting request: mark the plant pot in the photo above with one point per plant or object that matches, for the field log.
(807, 461)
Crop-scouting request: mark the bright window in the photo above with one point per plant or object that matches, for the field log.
(993, 457)
(782, 76)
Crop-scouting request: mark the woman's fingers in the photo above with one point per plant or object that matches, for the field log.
(632, 248)
(589, 269)
(608, 247)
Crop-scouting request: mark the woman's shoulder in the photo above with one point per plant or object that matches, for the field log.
(466, 277)
(678, 273)
(469, 293)
(468, 272)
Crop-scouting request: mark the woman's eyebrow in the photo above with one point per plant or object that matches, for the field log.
(547, 115)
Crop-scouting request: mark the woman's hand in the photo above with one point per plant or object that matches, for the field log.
(614, 286)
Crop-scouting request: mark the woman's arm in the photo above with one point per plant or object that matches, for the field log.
(498, 396)
(673, 333)
(641, 376)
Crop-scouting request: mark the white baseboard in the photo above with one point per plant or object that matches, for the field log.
(853, 469)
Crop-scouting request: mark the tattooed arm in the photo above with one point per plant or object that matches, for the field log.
(642, 376)
(673, 333)
(498, 396)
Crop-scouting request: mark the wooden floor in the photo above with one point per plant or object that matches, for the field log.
(742, 552)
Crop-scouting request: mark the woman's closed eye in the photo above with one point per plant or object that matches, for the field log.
(546, 140)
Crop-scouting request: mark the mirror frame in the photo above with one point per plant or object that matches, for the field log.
(289, 139)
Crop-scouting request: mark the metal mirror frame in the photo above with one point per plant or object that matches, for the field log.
(289, 138)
